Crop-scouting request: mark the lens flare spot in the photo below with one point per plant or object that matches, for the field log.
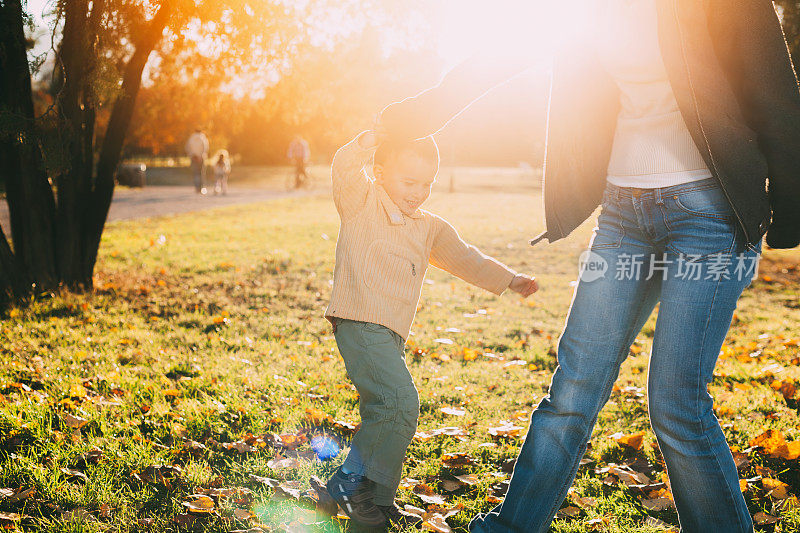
(325, 448)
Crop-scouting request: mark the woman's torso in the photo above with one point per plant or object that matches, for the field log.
(652, 145)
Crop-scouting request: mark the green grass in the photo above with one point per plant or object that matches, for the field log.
(207, 329)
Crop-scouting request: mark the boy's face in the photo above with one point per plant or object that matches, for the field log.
(407, 179)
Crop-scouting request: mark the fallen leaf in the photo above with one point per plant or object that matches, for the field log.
(243, 514)
(633, 440)
(437, 524)
(568, 512)
(75, 475)
(427, 494)
(762, 519)
(469, 479)
(506, 430)
(652, 521)
(453, 411)
(777, 489)
(657, 504)
(596, 523)
(453, 460)
(74, 422)
(10, 517)
(199, 503)
(318, 417)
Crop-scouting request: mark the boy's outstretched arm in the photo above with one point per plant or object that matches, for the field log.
(452, 254)
(350, 183)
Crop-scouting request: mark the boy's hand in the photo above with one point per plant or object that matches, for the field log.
(523, 285)
(372, 138)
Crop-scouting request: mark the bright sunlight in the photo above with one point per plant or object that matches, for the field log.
(522, 28)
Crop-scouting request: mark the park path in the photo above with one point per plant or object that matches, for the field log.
(157, 201)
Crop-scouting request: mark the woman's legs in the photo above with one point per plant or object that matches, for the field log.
(605, 316)
(693, 319)
(693, 225)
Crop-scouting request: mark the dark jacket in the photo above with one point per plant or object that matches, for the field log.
(729, 67)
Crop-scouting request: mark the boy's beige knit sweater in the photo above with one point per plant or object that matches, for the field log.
(382, 254)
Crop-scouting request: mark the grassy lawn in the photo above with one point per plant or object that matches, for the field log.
(186, 392)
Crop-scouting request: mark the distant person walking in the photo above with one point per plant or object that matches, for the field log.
(197, 150)
(222, 169)
(299, 154)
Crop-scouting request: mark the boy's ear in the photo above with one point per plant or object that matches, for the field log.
(377, 171)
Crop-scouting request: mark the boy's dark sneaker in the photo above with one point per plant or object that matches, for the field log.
(354, 495)
(399, 517)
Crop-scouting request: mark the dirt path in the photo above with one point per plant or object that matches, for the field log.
(169, 200)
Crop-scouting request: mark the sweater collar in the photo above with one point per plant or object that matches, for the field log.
(396, 217)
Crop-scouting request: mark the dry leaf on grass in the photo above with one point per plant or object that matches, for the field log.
(568, 512)
(469, 479)
(243, 514)
(15, 495)
(75, 475)
(634, 440)
(778, 490)
(506, 429)
(453, 411)
(763, 519)
(453, 460)
(657, 504)
(773, 442)
(428, 495)
(74, 422)
(199, 504)
(437, 524)
(318, 417)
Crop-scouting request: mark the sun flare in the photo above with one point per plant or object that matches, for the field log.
(529, 29)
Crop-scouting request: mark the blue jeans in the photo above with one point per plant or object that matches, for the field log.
(664, 234)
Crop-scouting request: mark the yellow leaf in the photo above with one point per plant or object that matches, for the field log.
(318, 416)
(199, 503)
(470, 354)
(778, 489)
(634, 440)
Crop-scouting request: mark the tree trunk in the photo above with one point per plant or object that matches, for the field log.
(57, 243)
(118, 125)
(71, 181)
(30, 199)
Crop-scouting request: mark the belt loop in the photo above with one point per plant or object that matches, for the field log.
(659, 200)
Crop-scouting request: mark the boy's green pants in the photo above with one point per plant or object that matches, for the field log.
(389, 403)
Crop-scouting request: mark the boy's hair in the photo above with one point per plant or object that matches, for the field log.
(424, 148)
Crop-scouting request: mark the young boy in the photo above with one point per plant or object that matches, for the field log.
(385, 244)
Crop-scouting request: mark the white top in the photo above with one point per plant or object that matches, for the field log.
(197, 145)
(652, 145)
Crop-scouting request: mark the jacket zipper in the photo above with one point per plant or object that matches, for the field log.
(700, 122)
